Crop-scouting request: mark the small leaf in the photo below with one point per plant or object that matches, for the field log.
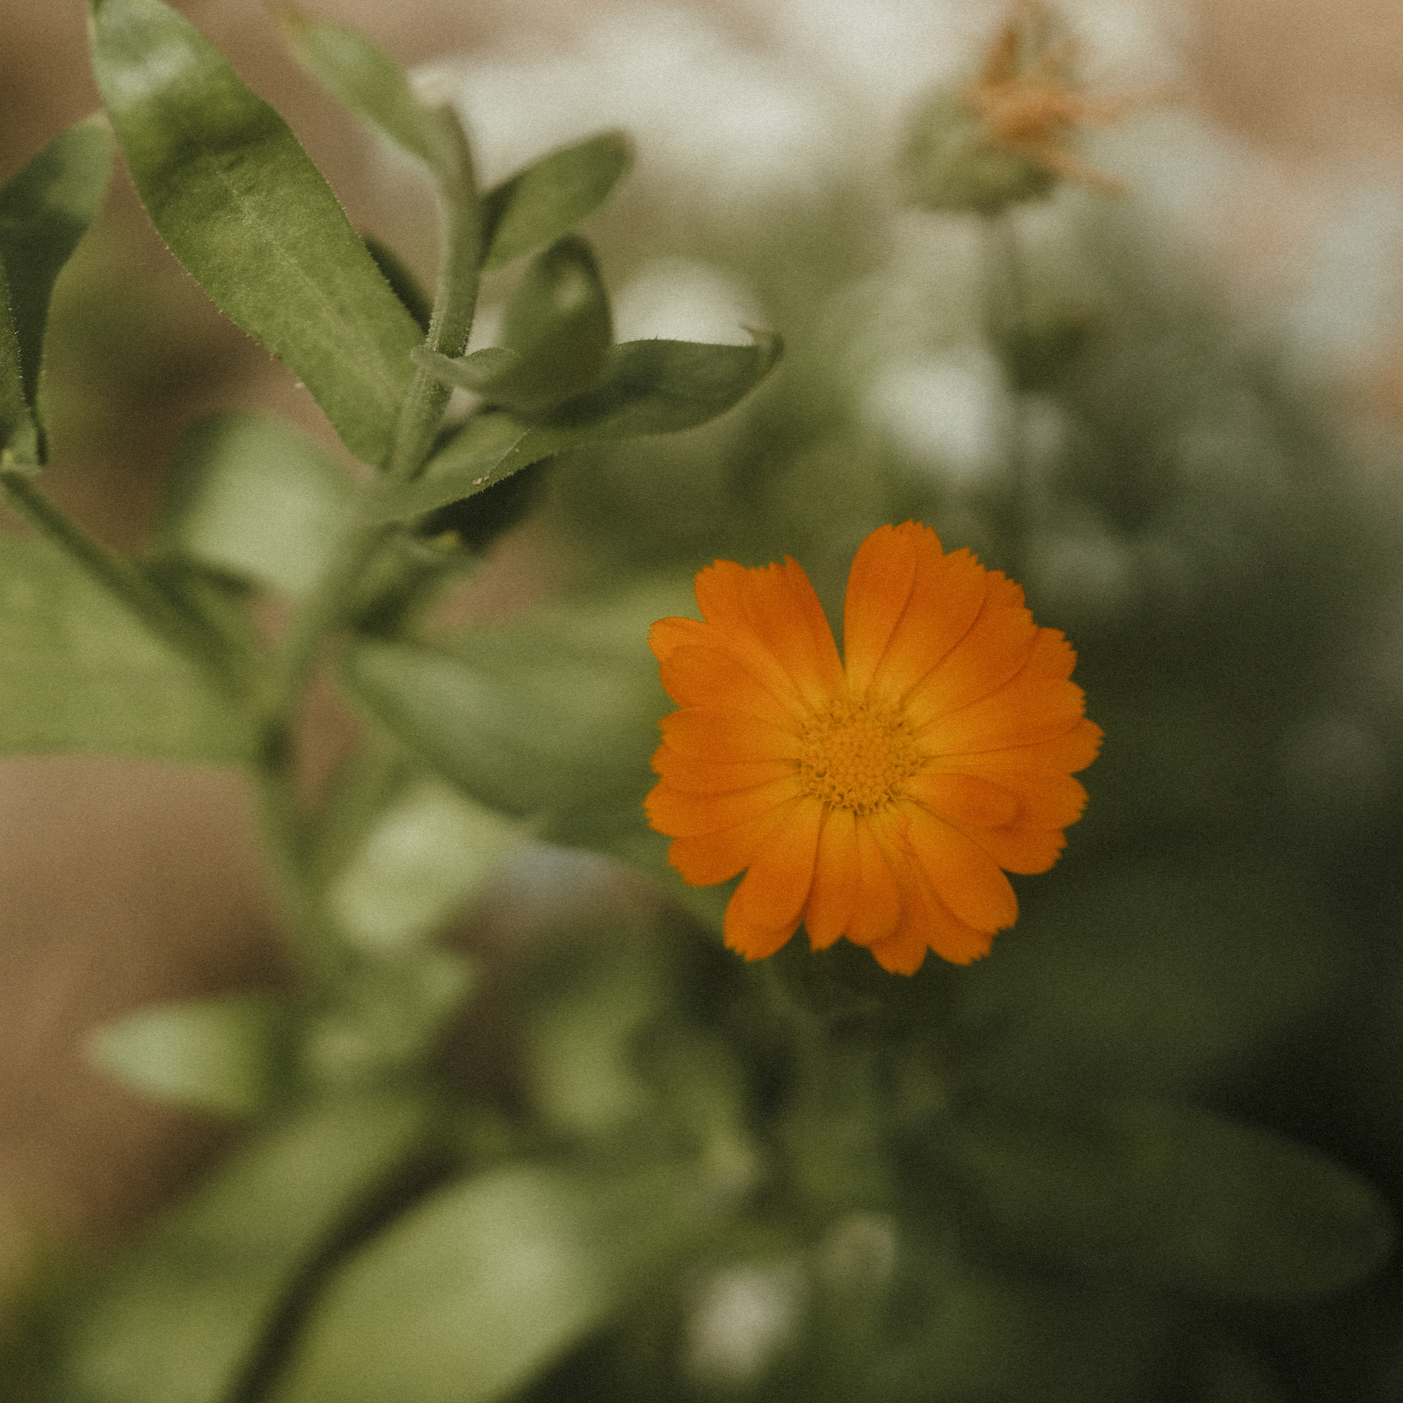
(551, 719)
(180, 1318)
(45, 208)
(1174, 1196)
(251, 218)
(429, 851)
(547, 199)
(370, 84)
(228, 1055)
(650, 387)
(477, 372)
(558, 323)
(479, 1287)
(82, 675)
(254, 498)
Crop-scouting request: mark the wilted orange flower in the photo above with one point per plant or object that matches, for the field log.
(1030, 106)
(876, 797)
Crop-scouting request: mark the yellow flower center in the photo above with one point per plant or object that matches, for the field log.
(857, 759)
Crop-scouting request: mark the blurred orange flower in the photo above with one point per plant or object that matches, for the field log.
(1028, 103)
(882, 797)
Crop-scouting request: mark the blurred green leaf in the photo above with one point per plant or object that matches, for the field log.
(649, 387)
(45, 208)
(81, 674)
(251, 218)
(229, 1055)
(252, 497)
(477, 372)
(181, 1317)
(547, 199)
(1170, 1195)
(481, 1286)
(557, 320)
(370, 84)
(429, 851)
(552, 718)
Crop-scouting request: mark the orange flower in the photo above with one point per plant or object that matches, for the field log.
(877, 797)
(1029, 105)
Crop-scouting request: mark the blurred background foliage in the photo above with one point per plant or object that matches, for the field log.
(556, 1143)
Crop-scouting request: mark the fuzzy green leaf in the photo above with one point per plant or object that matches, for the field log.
(649, 387)
(551, 719)
(251, 218)
(547, 199)
(19, 438)
(478, 372)
(558, 322)
(226, 1055)
(370, 84)
(45, 208)
(483, 1284)
(82, 675)
(1175, 1196)
(252, 497)
(179, 1318)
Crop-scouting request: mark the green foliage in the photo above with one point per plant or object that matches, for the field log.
(242, 207)
(648, 387)
(229, 1056)
(1173, 1196)
(252, 498)
(181, 1318)
(472, 1291)
(547, 199)
(82, 674)
(44, 210)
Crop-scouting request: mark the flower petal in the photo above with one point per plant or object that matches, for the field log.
(902, 953)
(1022, 712)
(837, 879)
(1067, 753)
(927, 918)
(776, 628)
(709, 858)
(764, 911)
(713, 733)
(697, 675)
(878, 909)
(961, 873)
(680, 770)
(880, 582)
(667, 635)
(1022, 850)
(945, 600)
(683, 815)
(965, 799)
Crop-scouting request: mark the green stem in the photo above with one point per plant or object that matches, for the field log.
(123, 581)
(325, 611)
(1006, 304)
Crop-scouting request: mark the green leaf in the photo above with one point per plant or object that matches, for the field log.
(481, 1286)
(45, 208)
(429, 851)
(19, 438)
(1172, 1195)
(368, 82)
(252, 497)
(228, 1055)
(552, 719)
(547, 199)
(650, 387)
(477, 372)
(558, 322)
(81, 674)
(250, 217)
(403, 282)
(180, 1318)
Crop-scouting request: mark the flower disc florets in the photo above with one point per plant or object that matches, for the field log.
(857, 759)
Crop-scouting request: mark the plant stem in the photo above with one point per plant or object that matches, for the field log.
(123, 581)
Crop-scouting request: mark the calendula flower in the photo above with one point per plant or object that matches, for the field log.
(881, 796)
(1005, 136)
